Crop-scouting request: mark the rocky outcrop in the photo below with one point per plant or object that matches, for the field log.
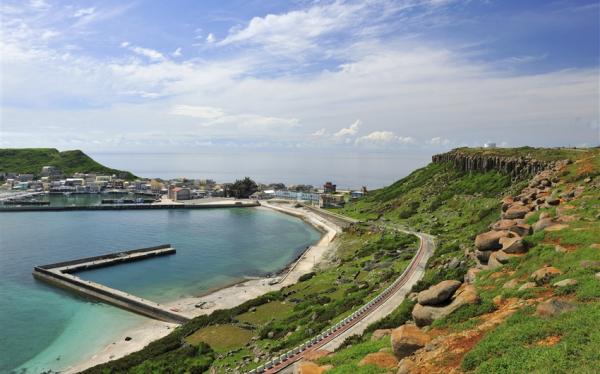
(553, 307)
(406, 339)
(424, 315)
(487, 161)
(438, 293)
(544, 274)
(489, 241)
(382, 360)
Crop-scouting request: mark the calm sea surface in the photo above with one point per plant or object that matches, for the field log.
(346, 169)
(48, 328)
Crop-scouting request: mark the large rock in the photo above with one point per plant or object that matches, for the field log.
(483, 256)
(406, 366)
(543, 223)
(438, 293)
(308, 367)
(553, 307)
(489, 241)
(406, 339)
(382, 360)
(425, 314)
(544, 274)
(512, 245)
(380, 333)
(472, 275)
(565, 283)
(515, 211)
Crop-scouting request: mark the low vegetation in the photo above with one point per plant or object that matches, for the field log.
(31, 161)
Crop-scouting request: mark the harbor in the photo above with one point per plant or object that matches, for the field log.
(60, 274)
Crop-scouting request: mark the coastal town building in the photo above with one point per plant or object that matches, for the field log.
(329, 187)
(179, 193)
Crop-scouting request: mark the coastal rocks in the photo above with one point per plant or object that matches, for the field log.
(516, 211)
(406, 366)
(424, 315)
(518, 226)
(565, 283)
(510, 284)
(553, 307)
(471, 275)
(486, 161)
(382, 360)
(483, 256)
(544, 274)
(512, 245)
(489, 241)
(380, 333)
(552, 200)
(308, 367)
(527, 286)
(406, 339)
(543, 223)
(438, 293)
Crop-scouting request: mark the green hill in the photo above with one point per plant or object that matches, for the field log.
(454, 203)
(31, 161)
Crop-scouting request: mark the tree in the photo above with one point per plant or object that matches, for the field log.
(242, 189)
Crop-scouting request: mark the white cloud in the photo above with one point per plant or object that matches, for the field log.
(147, 52)
(49, 34)
(124, 44)
(383, 138)
(439, 141)
(177, 53)
(203, 112)
(210, 38)
(348, 131)
(320, 133)
(84, 12)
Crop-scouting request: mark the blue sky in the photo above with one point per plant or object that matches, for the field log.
(367, 75)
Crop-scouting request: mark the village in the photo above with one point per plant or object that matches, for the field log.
(19, 188)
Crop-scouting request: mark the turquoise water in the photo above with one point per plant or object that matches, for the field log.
(45, 328)
(82, 199)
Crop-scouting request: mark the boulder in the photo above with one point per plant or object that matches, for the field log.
(553, 307)
(515, 211)
(504, 224)
(597, 275)
(511, 284)
(308, 367)
(406, 366)
(438, 293)
(497, 259)
(425, 314)
(543, 223)
(382, 360)
(552, 200)
(513, 245)
(527, 286)
(506, 203)
(471, 275)
(380, 333)
(406, 339)
(544, 274)
(565, 283)
(590, 264)
(521, 229)
(483, 256)
(489, 241)
(315, 355)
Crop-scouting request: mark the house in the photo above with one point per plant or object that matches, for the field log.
(329, 187)
(356, 194)
(50, 171)
(179, 193)
(331, 201)
(263, 195)
(25, 177)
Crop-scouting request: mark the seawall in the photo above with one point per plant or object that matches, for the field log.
(128, 207)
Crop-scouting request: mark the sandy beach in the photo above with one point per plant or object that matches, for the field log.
(227, 297)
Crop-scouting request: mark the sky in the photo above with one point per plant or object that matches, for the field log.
(342, 76)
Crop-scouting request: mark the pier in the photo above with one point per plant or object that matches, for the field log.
(61, 274)
(236, 204)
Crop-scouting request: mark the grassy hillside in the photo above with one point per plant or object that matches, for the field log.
(454, 206)
(31, 161)
(503, 333)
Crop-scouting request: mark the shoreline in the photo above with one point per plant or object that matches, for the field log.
(225, 297)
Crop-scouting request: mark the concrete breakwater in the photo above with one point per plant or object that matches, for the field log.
(237, 204)
(60, 274)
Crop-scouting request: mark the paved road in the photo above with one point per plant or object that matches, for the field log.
(375, 312)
